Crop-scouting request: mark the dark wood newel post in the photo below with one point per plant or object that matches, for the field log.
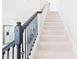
(18, 38)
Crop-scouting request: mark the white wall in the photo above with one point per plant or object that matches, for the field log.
(67, 10)
(19, 10)
(68, 14)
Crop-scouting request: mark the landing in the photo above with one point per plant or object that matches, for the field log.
(54, 42)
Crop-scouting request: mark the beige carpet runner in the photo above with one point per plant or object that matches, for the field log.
(54, 42)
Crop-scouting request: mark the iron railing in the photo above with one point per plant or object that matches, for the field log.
(25, 36)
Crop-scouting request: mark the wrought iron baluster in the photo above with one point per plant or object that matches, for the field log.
(13, 51)
(32, 30)
(36, 26)
(22, 51)
(3, 55)
(25, 43)
(28, 41)
(8, 53)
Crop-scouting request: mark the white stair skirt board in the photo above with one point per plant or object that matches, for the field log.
(54, 42)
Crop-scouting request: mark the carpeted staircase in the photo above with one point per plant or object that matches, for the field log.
(54, 42)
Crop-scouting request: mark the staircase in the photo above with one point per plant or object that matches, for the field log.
(54, 42)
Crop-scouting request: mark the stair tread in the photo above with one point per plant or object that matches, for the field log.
(54, 42)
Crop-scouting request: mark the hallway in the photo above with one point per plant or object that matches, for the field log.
(54, 42)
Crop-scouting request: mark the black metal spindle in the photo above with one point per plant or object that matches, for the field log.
(3, 55)
(22, 50)
(32, 30)
(36, 22)
(8, 53)
(13, 51)
(25, 43)
(18, 52)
